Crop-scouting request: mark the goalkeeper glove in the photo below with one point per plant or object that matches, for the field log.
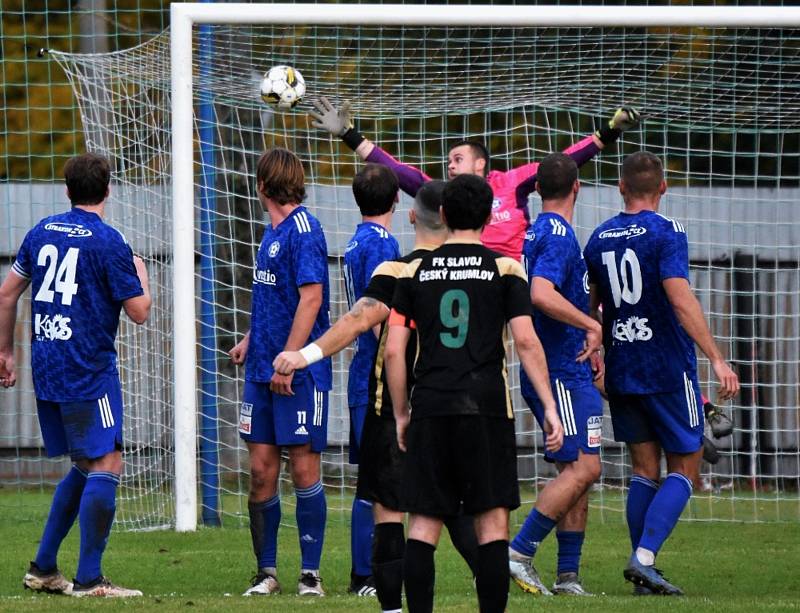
(721, 424)
(625, 118)
(336, 121)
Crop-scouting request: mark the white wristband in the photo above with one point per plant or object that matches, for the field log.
(312, 353)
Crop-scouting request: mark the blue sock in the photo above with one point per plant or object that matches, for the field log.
(96, 515)
(533, 531)
(63, 511)
(311, 514)
(362, 525)
(569, 551)
(665, 510)
(640, 494)
(265, 519)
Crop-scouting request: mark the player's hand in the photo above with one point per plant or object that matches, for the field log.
(592, 343)
(625, 118)
(288, 361)
(281, 384)
(728, 380)
(239, 351)
(554, 431)
(8, 371)
(402, 427)
(329, 118)
(598, 366)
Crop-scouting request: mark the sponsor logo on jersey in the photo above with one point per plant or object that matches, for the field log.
(530, 235)
(586, 282)
(496, 203)
(629, 232)
(265, 277)
(72, 229)
(633, 329)
(274, 248)
(594, 431)
(350, 246)
(54, 328)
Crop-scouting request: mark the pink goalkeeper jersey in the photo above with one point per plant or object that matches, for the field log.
(505, 233)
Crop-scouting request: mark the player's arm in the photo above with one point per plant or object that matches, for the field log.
(238, 352)
(138, 307)
(340, 124)
(690, 315)
(549, 301)
(532, 358)
(12, 288)
(596, 313)
(366, 313)
(303, 322)
(394, 361)
(624, 118)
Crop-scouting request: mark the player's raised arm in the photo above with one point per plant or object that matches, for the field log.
(532, 359)
(365, 314)
(690, 314)
(339, 123)
(10, 291)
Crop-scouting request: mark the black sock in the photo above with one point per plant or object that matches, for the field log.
(492, 577)
(388, 548)
(420, 576)
(462, 532)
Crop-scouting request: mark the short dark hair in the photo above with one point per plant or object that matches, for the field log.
(642, 173)
(427, 203)
(280, 176)
(87, 177)
(375, 189)
(467, 202)
(556, 175)
(478, 150)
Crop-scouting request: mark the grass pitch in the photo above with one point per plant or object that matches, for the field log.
(721, 566)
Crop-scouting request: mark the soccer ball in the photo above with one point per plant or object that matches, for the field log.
(283, 86)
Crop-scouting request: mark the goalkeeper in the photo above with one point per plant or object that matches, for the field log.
(510, 218)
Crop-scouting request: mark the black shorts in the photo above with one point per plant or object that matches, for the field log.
(460, 458)
(380, 465)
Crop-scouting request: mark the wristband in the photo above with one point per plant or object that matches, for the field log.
(312, 353)
(608, 135)
(352, 138)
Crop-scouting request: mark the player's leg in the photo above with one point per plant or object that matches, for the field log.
(677, 422)
(94, 432)
(461, 528)
(362, 525)
(301, 425)
(43, 574)
(419, 569)
(389, 546)
(492, 576)
(256, 429)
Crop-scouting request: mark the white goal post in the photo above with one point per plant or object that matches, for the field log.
(185, 16)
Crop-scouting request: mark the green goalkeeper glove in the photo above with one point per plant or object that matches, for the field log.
(625, 118)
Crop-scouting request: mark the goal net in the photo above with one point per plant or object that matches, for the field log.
(720, 107)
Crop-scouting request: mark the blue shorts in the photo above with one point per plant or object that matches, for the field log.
(86, 430)
(673, 419)
(273, 419)
(357, 415)
(581, 413)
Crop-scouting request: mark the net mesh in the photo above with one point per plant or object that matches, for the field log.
(720, 107)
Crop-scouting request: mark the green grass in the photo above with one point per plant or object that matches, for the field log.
(721, 566)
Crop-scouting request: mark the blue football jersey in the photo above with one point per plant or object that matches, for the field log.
(552, 252)
(291, 255)
(81, 270)
(628, 257)
(371, 245)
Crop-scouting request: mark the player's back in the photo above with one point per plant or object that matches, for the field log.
(628, 257)
(371, 245)
(552, 252)
(81, 270)
(458, 298)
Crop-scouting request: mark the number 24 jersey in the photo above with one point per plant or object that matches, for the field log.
(647, 351)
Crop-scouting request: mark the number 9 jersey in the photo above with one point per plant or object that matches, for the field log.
(628, 257)
(81, 270)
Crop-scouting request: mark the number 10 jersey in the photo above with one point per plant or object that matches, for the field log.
(81, 270)
(647, 351)
(459, 298)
